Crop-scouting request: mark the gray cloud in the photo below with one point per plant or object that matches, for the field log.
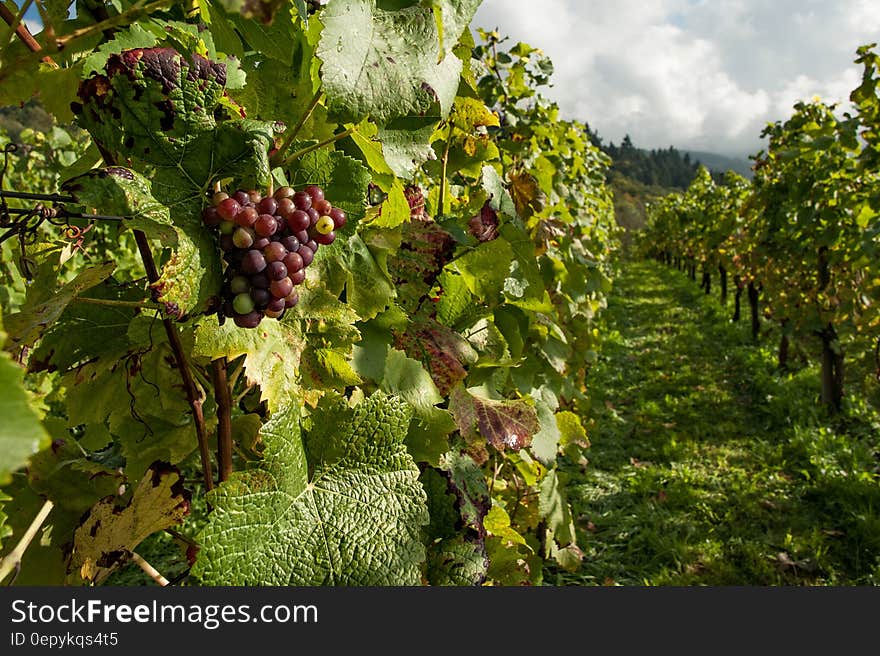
(697, 74)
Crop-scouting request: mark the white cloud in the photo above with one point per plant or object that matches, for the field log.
(697, 74)
(34, 26)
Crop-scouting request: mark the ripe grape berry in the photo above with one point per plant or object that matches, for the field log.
(268, 242)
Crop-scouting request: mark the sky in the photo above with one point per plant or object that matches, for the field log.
(703, 75)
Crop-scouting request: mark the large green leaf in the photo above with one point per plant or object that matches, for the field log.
(21, 433)
(44, 306)
(351, 516)
(384, 63)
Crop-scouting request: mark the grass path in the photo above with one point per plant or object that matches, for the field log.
(708, 467)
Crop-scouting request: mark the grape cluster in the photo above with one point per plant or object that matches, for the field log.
(267, 243)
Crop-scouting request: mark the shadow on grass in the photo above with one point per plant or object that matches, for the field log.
(709, 467)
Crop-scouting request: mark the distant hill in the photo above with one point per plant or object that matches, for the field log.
(721, 163)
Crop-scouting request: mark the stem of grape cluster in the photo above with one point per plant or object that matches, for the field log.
(291, 133)
(223, 397)
(195, 400)
(318, 146)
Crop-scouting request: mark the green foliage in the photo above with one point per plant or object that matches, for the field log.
(433, 370)
(309, 515)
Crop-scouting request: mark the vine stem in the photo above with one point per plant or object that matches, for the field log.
(318, 146)
(23, 33)
(135, 305)
(290, 134)
(223, 397)
(151, 571)
(12, 561)
(189, 386)
(445, 164)
(133, 12)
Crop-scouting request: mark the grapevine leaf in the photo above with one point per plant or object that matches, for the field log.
(428, 436)
(425, 249)
(265, 11)
(344, 179)
(406, 144)
(408, 379)
(353, 517)
(441, 351)
(573, 438)
(546, 441)
(497, 523)
(71, 481)
(134, 36)
(368, 287)
(151, 102)
(53, 87)
(327, 369)
(87, 331)
(21, 433)
(391, 69)
(485, 268)
(556, 513)
(500, 199)
(137, 400)
(504, 424)
(39, 312)
(395, 209)
(5, 530)
(271, 354)
(457, 561)
(109, 534)
(43, 562)
(467, 481)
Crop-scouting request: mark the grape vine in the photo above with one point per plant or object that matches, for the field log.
(349, 288)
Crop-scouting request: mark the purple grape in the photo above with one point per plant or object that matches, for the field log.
(210, 217)
(274, 252)
(261, 297)
(298, 221)
(302, 200)
(266, 225)
(315, 192)
(339, 217)
(276, 270)
(293, 262)
(251, 320)
(290, 243)
(281, 288)
(260, 281)
(307, 254)
(253, 262)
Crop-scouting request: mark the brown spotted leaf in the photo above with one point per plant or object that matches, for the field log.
(443, 352)
(425, 249)
(527, 195)
(109, 533)
(504, 424)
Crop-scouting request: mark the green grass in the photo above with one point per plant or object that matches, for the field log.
(710, 467)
